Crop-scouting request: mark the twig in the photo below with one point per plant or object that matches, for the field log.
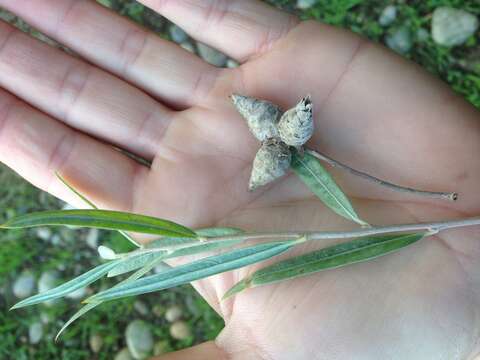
(432, 227)
(432, 194)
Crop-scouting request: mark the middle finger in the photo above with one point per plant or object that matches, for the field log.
(160, 67)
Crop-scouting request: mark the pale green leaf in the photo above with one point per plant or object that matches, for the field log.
(137, 275)
(181, 247)
(321, 183)
(135, 262)
(102, 219)
(358, 250)
(75, 316)
(75, 191)
(68, 287)
(92, 205)
(219, 231)
(196, 270)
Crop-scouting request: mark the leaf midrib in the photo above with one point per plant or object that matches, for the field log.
(349, 212)
(338, 254)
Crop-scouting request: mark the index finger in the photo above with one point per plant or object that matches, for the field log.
(239, 28)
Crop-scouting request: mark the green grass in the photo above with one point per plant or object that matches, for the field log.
(19, 250)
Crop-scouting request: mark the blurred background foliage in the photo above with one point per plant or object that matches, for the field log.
(60, 254)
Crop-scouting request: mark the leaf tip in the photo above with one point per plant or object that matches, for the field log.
(237, 288)
(16, 306)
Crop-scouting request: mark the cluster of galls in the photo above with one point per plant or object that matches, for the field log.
(278, 131)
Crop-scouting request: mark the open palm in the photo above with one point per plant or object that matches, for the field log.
(373, 110)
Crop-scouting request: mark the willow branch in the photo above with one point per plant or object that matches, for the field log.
(431, 227)
(451, 196)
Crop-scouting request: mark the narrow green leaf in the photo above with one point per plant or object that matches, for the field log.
(75, 316)
(238, 287)
(138, 274)
(102, 219)
(358, 250)
(219, 231)
(168, 242)
(92, 205)
(75, 191)
(314, 175)
(196, 270)
(135, 262)
(68, 287)
(188, 247)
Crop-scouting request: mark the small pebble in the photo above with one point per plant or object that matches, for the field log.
(139, 339)
(56, 240)
(92, 238)
(173, 313)
(48, 280)
(305, 4)
(177, 34)
(24, 285)
(180, 330)
(400, 41)
(211, 55)
(44, 233)
(45, 318)
(388, 15)
(141, 307)
(452, 27)
(96, 343)
(123, 354)
(35, 333)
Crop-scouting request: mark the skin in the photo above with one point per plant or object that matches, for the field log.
(373, 110)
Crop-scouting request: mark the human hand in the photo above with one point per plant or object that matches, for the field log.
(373, 110)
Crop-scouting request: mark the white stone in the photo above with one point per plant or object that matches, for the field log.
(211, 55)
(388, 15)
(173, 313)
(141, 307)
(45, 318)
(452, 27)
(48, 280)
(44, 233)
(92, 238)
(96, 343)
(24, 285)
(139, 339)
(177, 34)
(400, 41)
(123, 354)
(180, 330)
(305, 4)
(35, 333)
